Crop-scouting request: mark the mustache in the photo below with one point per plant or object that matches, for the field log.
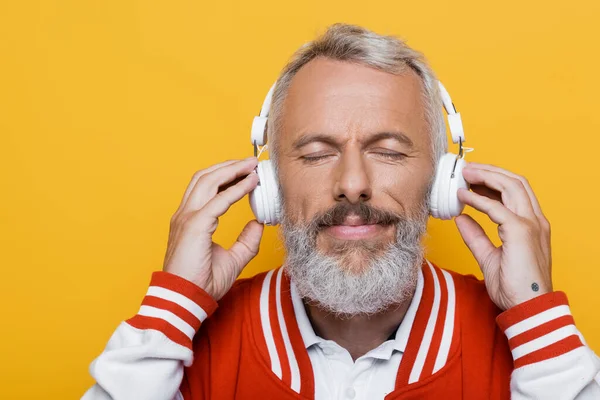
(337, 214)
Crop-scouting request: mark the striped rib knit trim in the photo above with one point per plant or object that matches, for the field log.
(539, 329)
(280, 336)
(175, 307)
(307, 386)
(433, 337)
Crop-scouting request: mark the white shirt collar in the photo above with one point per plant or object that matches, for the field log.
(306, 330)
(399, 343)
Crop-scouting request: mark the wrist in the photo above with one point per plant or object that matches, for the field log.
(529, 292)
(189, 276)
(521, 289)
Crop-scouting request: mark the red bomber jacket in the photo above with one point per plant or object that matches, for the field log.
(183, 345)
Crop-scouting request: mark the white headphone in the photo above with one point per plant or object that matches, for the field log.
(443, 202)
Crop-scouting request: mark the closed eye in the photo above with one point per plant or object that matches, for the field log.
(314, 159)
(391, 155)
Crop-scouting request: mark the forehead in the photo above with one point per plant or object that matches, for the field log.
(342, 98)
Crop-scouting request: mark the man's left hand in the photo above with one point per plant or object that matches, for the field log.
(519, 269)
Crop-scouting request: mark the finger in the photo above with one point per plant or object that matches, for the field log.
(230, 184)
(247, 244)
(208, 185)
(475, 238)
(220, 203)
(487, 192)
(197, 176)
(497, 212)
(514, 195)
(532, 197)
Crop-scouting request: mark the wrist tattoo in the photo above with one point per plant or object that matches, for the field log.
(535, 287)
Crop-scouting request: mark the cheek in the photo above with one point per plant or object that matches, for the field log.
(305, 192)
(404, 187)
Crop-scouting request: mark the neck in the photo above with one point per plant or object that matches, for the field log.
(357, 334)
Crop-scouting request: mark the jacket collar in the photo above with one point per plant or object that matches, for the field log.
(427, 343)
(385, 350)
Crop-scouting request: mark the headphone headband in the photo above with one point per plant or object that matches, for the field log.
(259, 124)
(454, 120)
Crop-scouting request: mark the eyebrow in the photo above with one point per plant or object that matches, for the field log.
(312, 138)
(400, 137)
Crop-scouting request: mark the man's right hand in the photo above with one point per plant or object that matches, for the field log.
(191, 252)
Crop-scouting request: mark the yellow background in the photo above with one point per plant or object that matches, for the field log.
(108, 107)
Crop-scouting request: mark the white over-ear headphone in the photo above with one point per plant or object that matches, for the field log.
(443, 202)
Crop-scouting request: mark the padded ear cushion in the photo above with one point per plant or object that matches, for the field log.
(445, 187)
(257, 198)
(264, 199)
(443, 201)
(434, 200)
(272, 192)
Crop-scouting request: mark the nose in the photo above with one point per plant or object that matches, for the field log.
(353, 183)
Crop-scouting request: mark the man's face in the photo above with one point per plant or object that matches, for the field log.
(353, 135)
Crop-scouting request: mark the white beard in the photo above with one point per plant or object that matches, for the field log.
(388, 279)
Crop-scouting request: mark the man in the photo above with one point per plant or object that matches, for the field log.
(356, 312)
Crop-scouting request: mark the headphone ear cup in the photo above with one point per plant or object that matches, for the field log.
(443, 201)
(455, 206)
(264, 199)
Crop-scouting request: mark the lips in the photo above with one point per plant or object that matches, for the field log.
(354, 228)
(347, 221)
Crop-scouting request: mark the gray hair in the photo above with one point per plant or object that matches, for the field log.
(387, 278)
(355, 44)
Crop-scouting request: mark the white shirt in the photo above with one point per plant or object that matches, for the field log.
(372, 376)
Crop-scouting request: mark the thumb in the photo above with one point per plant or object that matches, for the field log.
(475, 238)
(247, 244)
